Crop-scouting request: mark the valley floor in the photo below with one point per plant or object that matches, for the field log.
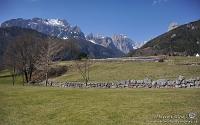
(29, 105)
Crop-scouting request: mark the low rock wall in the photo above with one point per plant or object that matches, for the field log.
(180, 82)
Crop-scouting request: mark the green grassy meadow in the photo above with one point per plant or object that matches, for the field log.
(34, 105)
(112, 71)
(49, 106)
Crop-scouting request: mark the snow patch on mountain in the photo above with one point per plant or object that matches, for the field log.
(139, 44)
(92, 41)
(65, 37)
(53, 27)
(172, 26)
(54, 22)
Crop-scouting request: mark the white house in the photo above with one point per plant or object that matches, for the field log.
(197, 55)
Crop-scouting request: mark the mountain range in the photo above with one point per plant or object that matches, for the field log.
(53, 27)
(62, 29)
(181, 40)
(117, 41)
(66, 48)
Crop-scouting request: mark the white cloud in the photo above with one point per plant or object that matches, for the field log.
(158, 1)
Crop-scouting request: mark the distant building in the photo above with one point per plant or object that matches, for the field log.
(197, 55)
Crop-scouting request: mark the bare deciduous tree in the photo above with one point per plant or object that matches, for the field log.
(48, 50)
(24, 53)
(29, 54)
(83, 64)
(10, 60)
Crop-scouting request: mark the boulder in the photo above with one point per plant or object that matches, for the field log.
(178, 82)
(183, 86)
(181, 78)
(162, 82)
(154, 84)
(197, 83)
(171, 83)
(140, 81)
(178, 86)
(133, 82)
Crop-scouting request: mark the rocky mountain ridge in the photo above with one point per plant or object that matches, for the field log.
(117, 41)
(53, 27)
(62, 29)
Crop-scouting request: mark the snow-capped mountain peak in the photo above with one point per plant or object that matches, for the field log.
(117, 41)
(123, 43)
(139, 45)
(54, 22)
(62, 29)
(53, 27)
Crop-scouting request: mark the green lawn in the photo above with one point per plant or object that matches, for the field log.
(56, 106)
(5, 78)
(111, 71)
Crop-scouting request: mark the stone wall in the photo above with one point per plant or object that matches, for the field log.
(180, 82)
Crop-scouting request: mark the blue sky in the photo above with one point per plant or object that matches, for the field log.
(139, 19)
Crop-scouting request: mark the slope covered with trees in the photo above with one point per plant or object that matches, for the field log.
(183, 40)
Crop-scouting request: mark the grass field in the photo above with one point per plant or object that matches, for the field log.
(29, 105)
(52, 106)
(111, 71)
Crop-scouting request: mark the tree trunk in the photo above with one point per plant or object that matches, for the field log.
(85, 72)
(13, 79)
(30, 74)
(26, 76)
(13, 76)
(23, 79)
(47, 70)
(46, 81)
(88, 71)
